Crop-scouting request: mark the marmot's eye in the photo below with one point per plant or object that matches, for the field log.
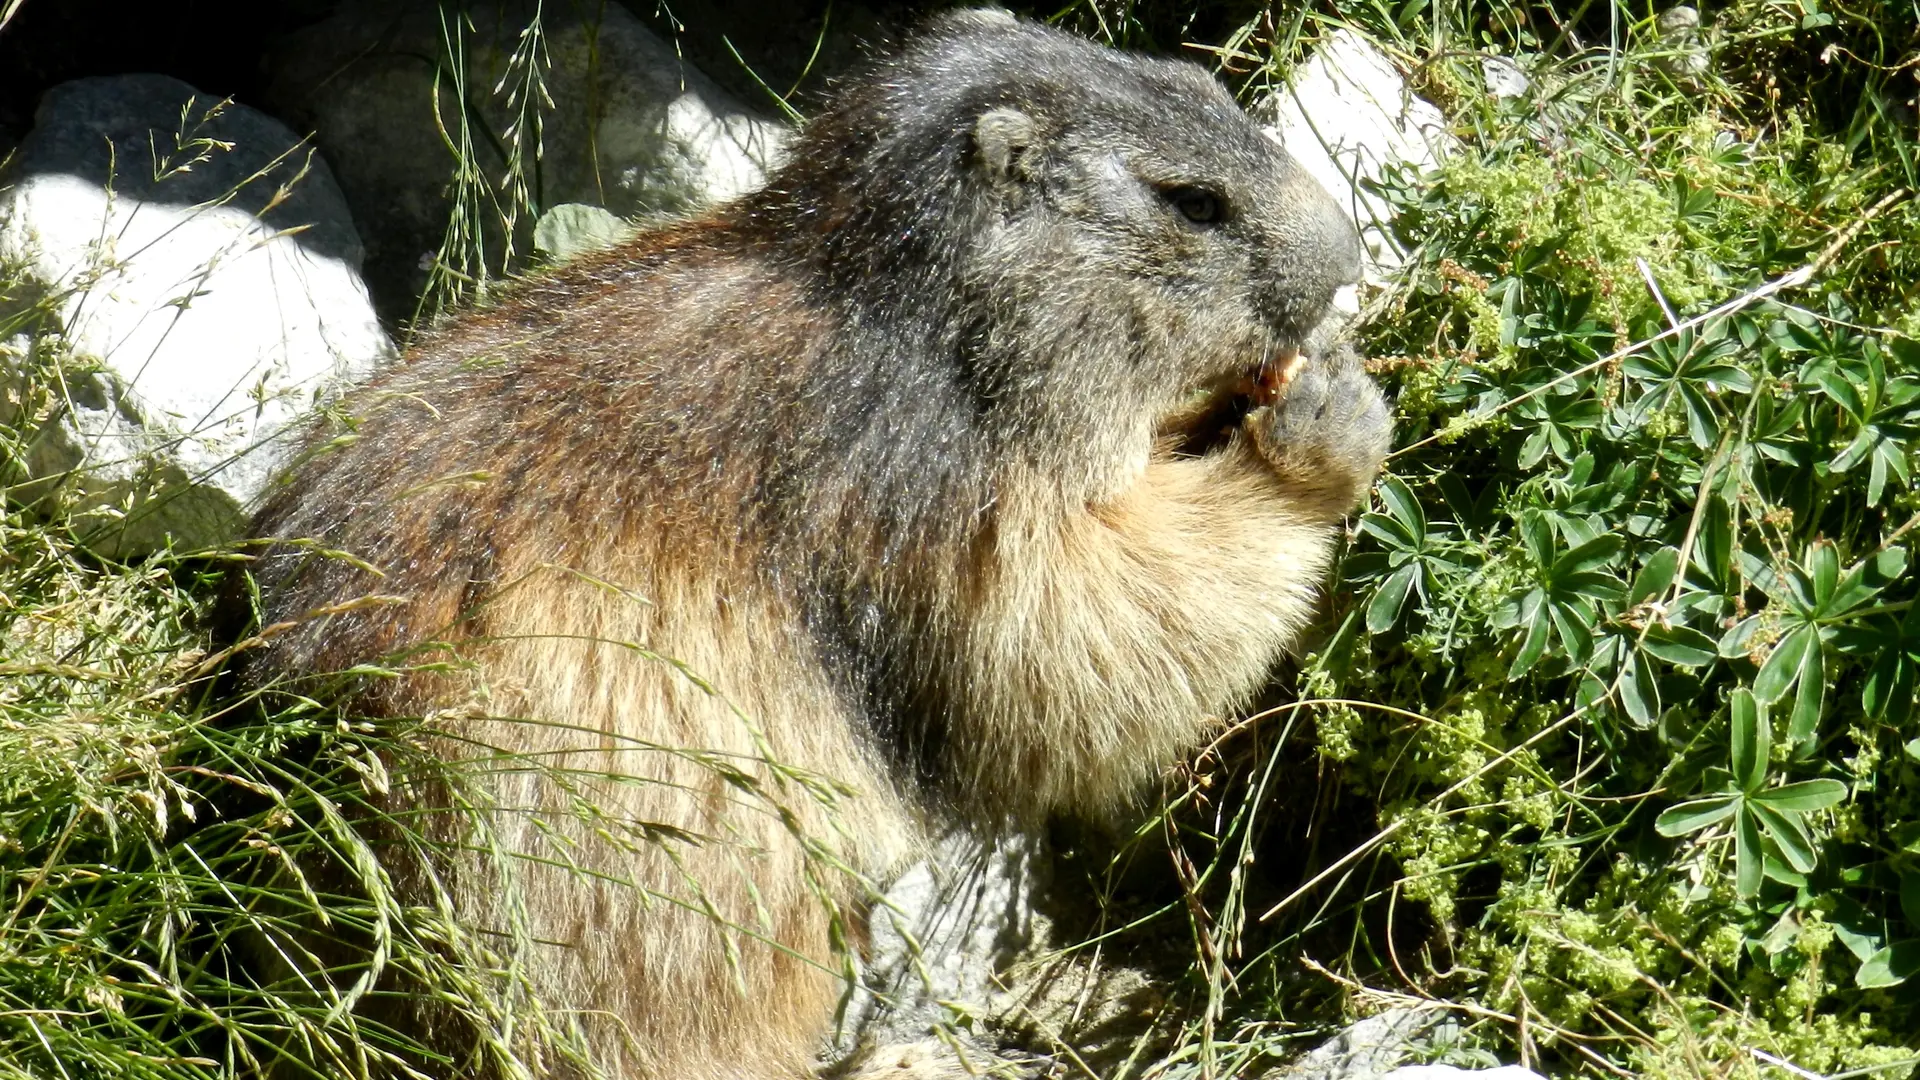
(1198, 205)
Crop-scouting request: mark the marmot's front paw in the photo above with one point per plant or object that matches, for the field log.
(1330, 429)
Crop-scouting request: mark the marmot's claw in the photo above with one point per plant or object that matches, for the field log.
(1331, 428)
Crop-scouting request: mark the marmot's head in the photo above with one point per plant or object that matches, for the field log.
(1086, 236)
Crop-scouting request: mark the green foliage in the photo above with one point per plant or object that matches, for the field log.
(1768, 822)
(1624, 661)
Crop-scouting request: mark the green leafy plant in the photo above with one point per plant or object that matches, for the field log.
(1812, 603)
(1768, 823)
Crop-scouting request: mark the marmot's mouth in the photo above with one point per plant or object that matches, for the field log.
(1210, 413)
(1269, 378)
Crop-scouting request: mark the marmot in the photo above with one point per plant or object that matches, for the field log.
(968, 472)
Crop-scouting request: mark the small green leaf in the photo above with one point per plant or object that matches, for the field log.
(1803, 797)
(1402, 504)
(1640, 691)
(1823, 374)
(1789, 835)
(1714, 547)
(1776, 870)
(1390, 532)
(1738, 640)
(1725, 377)
(1752, 740)
(1538, 536)
(1910, 898)
(1590, 583)
(1534, 450)
(1588, 557)
(1785, 663)
(1856, 451)
(1695, 815)
(1575, 626)
(1857, 929)
(1877, 468)
(1764, 577)
(1574, 531)
(1535, 641)
(1746, 852)
(1681, 645)
(1384, 609)
(1890, 966)
(1702, 427)
(1647, 366)
(1655, 576)
(1888, 688)
(1865, 581)
(1823, 569)
(1803, 726)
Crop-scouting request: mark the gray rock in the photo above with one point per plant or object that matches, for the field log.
(1349, 118)
(189, 271)
(1502, 77)
(1682, 52)
(1454, 1072)
(1369, 1049)
(973, 951)
(940, 940)
(1377, 1047)
(627, 125)
(572, 229)
(974, 968)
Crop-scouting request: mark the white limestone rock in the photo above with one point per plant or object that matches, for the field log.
(628, 125)
(200, 274)
(1347, 118)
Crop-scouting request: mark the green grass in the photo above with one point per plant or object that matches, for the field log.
(164, 865)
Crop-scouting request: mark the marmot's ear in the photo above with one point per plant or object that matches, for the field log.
(1007, 141)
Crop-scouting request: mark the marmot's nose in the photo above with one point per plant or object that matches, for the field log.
(1314, 248)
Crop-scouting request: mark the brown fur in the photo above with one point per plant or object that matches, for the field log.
(784, 510)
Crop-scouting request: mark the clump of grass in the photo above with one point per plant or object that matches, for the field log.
(495, 184)
(158, 842)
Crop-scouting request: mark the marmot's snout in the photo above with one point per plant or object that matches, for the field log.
(1314, 250)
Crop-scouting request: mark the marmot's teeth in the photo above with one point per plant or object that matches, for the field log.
(1270, 379)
